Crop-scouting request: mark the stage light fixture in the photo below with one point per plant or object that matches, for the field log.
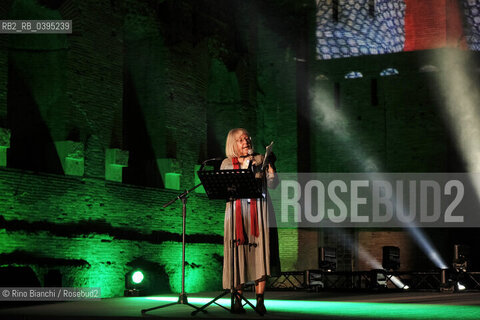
(378, 279)
(327, 259)
(446, 283)
(397, 282)
(391, 258)
(137, 277)
(443, 277)
(314, 279)
(460, 287)
(135, 283)
(460, 257)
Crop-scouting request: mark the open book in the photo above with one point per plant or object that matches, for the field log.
(268, 151)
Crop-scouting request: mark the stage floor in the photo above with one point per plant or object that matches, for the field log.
(280, 305)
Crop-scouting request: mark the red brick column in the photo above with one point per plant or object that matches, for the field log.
(433, 24)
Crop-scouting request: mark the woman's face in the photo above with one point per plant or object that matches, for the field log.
(242, 144)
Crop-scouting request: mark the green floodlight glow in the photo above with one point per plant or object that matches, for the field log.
(371, 310)
(137, 277)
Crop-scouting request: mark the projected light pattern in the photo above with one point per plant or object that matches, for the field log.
(370, 310)
(357, 32)
(471, 10)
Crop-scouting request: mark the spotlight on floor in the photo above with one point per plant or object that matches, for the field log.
(135, 283)
(446, 284)
(397, 282)
(137, 277)
(378, 279)
(443, 277)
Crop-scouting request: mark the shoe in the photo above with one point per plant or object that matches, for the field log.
(260, 304)
(238, 307)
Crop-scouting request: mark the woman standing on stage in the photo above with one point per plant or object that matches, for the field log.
(251, 223)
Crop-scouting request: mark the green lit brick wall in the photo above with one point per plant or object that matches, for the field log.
(193, 73)
(88, 228)
(94, 74)
(91, 229)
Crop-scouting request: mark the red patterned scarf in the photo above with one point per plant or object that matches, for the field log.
(238, 213)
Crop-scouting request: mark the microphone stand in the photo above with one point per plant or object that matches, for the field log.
(182, 299)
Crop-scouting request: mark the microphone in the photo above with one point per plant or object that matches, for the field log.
(207, 161)
(250, 160)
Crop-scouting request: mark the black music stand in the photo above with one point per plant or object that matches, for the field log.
(230, 185)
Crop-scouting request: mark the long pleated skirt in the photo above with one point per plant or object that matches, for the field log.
(252, 259)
